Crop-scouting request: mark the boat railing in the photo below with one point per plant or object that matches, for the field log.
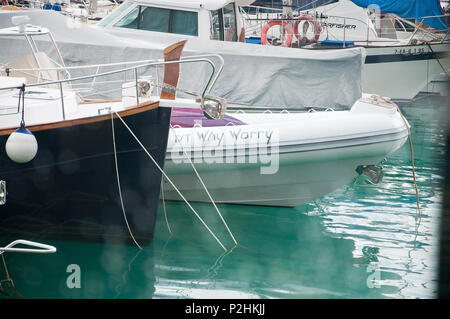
(370, 33)
(139, 70)
(421, 26)
(273, 9)
(262, 18)
(39, 76)
(397, 29)
(376, 33)
(252, 13)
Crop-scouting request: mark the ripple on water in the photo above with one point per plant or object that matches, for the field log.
(361, 241)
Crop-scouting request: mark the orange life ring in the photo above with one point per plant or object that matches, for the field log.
(317, 28)
(288, 30)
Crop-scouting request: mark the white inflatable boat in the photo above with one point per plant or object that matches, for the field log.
(282, 158)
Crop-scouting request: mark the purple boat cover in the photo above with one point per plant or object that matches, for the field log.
(184, 117)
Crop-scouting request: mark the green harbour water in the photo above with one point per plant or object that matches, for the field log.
(361, 241)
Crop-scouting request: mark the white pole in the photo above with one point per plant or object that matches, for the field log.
(92, 6)
(287, 15)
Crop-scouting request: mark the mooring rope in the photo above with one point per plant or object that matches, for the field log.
(11, 290)
(438, 60)
(411, 151)
(8, 278)
(118, 184)
(204, 187)
(418, 213)
(169, 180)
(164, 208)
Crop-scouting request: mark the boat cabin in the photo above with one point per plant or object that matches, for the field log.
(205, 19)
(234, 20)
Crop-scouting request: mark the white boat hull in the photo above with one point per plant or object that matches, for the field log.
(403, 79)
(317, 154)
(440, 85)
(301, 178)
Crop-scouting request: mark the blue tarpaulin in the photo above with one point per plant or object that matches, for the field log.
(416, 9)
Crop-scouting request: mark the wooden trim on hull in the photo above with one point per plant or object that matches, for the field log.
(172, 71)
(142, 107)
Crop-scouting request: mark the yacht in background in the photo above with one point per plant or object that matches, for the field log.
(408, 47)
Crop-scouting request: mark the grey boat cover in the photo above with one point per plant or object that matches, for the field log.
(253, 75)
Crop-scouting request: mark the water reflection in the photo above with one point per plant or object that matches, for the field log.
(384, 216)
(362, 241)
(282, 253)
(105, 272)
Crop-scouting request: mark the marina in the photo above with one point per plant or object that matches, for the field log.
(327, 249)
(192, 152)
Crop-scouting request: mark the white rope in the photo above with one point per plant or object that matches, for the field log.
(118, 183)
(204, 187)
(170, 181)
(164, 208)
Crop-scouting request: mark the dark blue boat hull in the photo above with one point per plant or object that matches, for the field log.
(69, 190)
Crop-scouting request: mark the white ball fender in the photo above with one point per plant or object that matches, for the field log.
(21, 145)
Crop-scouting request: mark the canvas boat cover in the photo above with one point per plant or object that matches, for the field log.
(254, 75)
(416, 9)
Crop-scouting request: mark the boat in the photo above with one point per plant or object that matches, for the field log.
(82, 169)
(275, 157)
(397, 67)
(79, 10)
(280, 158)
(398, 61)
(309, 78)
(84, 10)
(407, 45)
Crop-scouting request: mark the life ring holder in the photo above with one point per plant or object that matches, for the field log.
(317, 28)
(288, 30)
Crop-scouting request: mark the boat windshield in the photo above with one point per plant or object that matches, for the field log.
(224, 24)
(160, 20)
(115, 13)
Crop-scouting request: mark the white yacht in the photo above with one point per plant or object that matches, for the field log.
(399, 63)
